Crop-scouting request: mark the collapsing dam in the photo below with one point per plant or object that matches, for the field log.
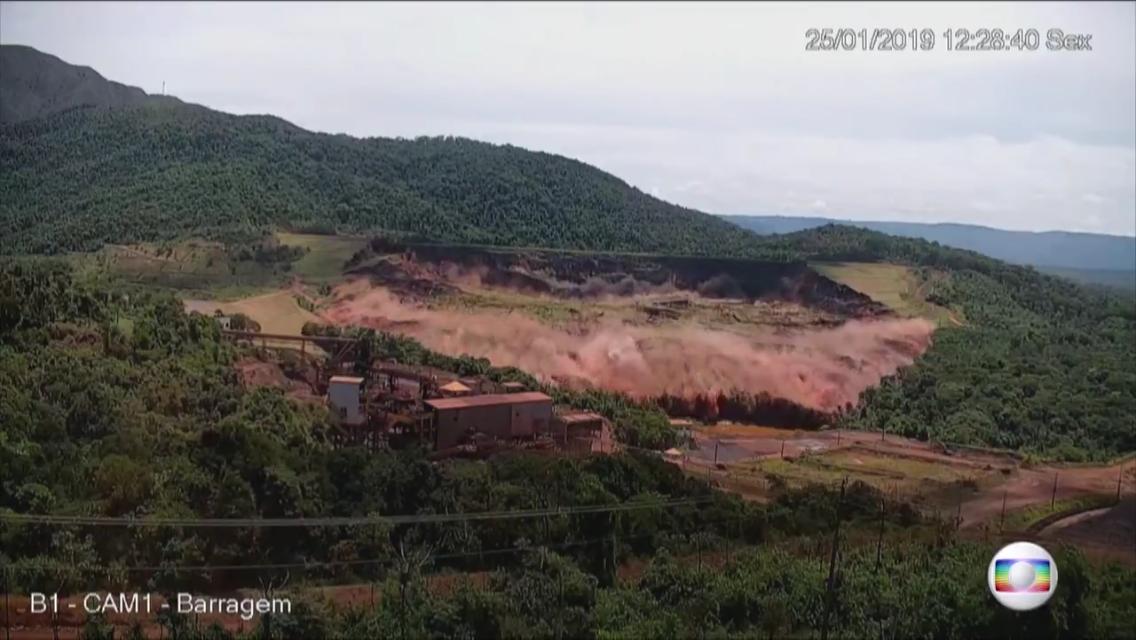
(799, 376)
(431, 267)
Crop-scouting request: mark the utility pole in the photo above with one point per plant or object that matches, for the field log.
(716, 443)
(1053, 498)
(1119, 479)
(830, 588)
(614, 547)
(1002, 518)
(560, 609)
(880, 538)
(7, 618)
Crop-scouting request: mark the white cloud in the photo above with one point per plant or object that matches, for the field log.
(716, 106)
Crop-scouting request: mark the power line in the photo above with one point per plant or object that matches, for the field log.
(357, 562)
(103, 521)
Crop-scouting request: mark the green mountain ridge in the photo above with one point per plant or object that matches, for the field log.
(86, 175)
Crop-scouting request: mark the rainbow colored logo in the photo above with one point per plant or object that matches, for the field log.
(1021, 576)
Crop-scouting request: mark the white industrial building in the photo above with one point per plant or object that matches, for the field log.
(343, 393)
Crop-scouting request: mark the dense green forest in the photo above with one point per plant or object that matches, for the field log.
(910, 591)
(77, 179)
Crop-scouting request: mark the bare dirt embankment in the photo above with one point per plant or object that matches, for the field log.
(419, 270)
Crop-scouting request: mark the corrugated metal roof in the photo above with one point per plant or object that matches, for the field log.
(583, 416)
(455, 387)
(443, 404)
(345, 380)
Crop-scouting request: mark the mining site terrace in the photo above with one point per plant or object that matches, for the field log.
(773, 343)
(681, 330)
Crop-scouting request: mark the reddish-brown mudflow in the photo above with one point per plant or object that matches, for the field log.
(822, 369)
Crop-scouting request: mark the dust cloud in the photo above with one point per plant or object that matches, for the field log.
(823, 368)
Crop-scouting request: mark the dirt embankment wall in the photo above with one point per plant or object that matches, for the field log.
(579, 275)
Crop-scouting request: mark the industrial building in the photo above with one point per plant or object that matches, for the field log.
(578, 430)
(454, 389)
(502, 416)
(343, 393)
(395, 405)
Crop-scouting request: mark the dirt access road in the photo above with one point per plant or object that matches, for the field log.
(1031, 486)
(997, 475)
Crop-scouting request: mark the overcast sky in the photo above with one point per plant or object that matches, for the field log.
(717, 107)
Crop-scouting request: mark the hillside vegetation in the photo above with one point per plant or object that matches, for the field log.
(153, 424)
(1041, 364)
(80, 178)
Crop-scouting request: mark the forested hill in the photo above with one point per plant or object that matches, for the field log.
(87, 175)
(1051, 249)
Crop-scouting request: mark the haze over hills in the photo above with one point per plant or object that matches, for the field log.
(1058, 249)
(1085, 257)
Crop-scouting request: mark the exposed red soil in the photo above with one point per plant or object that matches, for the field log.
(821, 369)
(255, 373)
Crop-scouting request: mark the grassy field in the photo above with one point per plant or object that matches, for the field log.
(929, 484)
(276, 312)
(893, 285)
(326, 254)
(204, 269)
(194, 267)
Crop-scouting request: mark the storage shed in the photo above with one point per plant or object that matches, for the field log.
(503, 416)
(343, 394)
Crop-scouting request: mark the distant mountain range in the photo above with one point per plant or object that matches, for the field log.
(1088, 257)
